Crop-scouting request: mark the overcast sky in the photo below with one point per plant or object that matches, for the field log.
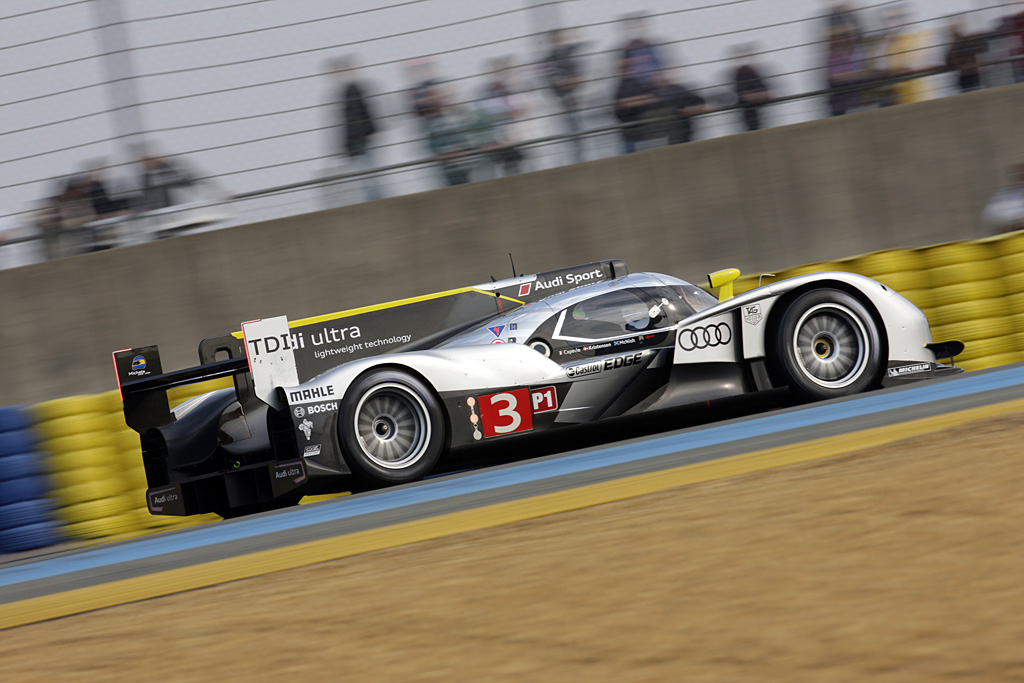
(193, 81)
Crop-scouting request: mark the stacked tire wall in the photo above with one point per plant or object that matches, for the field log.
(70, 469)
(26, 508)
(88, 464)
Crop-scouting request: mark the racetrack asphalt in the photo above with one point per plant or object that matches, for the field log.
(37, 578)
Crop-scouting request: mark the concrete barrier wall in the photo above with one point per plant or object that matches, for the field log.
(904, 176)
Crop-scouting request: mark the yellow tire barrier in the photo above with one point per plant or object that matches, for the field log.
(75, 424)
(77, 442)
(1011, 243)
(135, 479)
(105, 457)
(892, 261)
(62, 479)
(1013, 304)
(967, 291)
(959, 273)
(87, 491)
(72, 405)
(977, 330)
(102, 527)
(822, 267)
(1014, 283)
(922, 298)
(1012, 264)
(901, 282)
(956, 253)
(968, 310)
(127, 441)
(993, 346)
(178, 395)
(96, 509)
(748, 282)
(991, 361)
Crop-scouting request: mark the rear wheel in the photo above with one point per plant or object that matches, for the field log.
(391, 428)
(827, 344)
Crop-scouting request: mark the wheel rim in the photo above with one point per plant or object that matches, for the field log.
(831, 345)
(392, 426)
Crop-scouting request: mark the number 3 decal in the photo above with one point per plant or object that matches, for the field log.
(506, 412)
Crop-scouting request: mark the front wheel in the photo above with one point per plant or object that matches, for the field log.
(827, 344)
(391, 428)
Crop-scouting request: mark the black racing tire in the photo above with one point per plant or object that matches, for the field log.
(391, 428)
(827, 344)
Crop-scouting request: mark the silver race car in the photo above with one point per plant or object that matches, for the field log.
(377, 396)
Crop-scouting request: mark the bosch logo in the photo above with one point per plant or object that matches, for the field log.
(705, 337)
(300, 411)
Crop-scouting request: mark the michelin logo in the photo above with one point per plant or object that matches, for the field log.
(908, 369)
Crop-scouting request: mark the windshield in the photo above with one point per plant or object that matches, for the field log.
(695, 296)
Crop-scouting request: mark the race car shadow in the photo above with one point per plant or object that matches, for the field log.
(608, 432)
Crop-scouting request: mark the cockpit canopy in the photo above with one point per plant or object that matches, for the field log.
(633, 303)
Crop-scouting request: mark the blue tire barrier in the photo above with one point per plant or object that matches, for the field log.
(13, 418)
(25, 513)
(29, 536)
(20, 466)
(18, 441)
(26, 488)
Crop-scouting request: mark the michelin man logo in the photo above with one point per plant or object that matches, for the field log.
(307, 428)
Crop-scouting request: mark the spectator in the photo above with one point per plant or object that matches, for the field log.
(564, 76)
(845, 72)
(963, 57)
(639, 57)
(357, 124)
(95, 188)
(452, 131)
(160, 177)
(504, 112)
(424, 96)
(843, 19)
(678, 105)
(1018, 29)
(901, 56)
(751, 91)
(635, 98)
(1001, 46)
(67, 210)
(1005, 210)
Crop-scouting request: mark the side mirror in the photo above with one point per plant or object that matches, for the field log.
(722, 280)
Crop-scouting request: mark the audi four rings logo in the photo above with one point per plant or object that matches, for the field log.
(705, 337)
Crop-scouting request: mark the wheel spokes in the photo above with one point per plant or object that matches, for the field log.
(393, 426)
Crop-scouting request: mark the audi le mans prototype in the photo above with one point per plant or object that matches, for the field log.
(376, 396)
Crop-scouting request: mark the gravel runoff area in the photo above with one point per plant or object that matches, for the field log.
(897, 564)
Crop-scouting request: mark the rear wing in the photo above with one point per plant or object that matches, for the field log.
(323, 342)
(143, 386)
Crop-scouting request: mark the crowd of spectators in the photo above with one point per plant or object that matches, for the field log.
(84, 206)
(871, 58)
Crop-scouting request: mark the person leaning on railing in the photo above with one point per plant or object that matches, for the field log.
(1004, 211)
